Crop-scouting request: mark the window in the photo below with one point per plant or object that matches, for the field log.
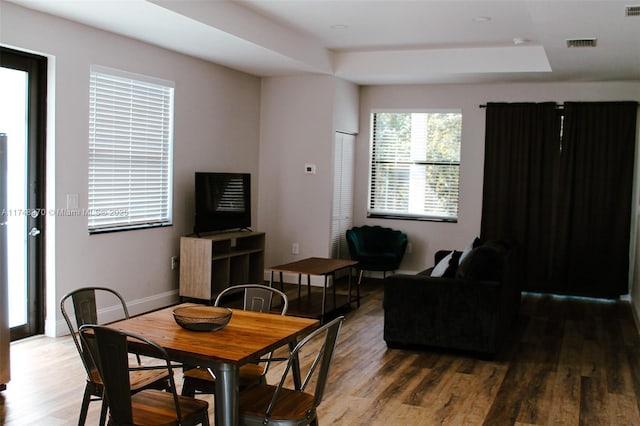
(130, 151)
(415, 165)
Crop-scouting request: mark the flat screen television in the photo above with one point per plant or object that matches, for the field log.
(223, 201)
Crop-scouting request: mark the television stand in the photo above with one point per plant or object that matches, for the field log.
(211, 263)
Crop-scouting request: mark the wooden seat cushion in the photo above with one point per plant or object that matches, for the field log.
(291, 404)
(140, 379)
(155, 407)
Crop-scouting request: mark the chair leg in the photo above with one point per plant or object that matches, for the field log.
(205, 419)
(188, 388)
(86, 399)
(103, 411)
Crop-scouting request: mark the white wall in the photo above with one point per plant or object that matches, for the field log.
(346, 108)
(227, 120)
(299, 116)
(217, 115)
(427, 237)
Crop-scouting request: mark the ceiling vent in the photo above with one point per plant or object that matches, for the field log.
(582, 42)
(632, 11)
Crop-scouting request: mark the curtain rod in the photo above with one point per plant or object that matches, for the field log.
(558, 106)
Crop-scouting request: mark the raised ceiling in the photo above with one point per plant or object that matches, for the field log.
(383, 41)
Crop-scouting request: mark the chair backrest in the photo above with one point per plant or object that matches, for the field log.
(364, 241)
(257, 297)
(353, 243)
(109, 350)
(319, 367)
(84, 302)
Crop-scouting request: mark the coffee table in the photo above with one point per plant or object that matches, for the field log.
(318, 266)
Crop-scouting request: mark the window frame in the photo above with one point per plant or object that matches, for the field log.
(164, 199)
(373, 213)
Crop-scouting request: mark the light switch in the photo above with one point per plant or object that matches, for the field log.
(310, 169)
(72, 201)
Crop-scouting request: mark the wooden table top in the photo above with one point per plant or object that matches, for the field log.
(314, 266)
(247, 336)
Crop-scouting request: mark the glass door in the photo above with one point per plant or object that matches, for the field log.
(22, 112)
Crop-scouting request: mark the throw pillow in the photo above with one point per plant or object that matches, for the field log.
(442, 266)
(453, 264)
(448, 266)
(473, 244)
(482, 263)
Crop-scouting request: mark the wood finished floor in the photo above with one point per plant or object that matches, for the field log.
(569, 362)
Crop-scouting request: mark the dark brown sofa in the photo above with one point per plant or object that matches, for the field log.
(470, 311)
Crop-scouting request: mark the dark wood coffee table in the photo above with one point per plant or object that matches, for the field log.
(317, 266)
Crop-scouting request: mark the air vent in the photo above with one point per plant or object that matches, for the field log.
(582, 42)
(632, 11)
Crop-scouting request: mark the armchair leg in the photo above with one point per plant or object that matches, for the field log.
(358, 289)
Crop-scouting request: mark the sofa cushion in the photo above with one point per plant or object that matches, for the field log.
(453, 264)
(448, 266)
(442, 266)
(473, 244)
(482, 263)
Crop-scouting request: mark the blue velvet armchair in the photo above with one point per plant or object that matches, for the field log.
(376, 248)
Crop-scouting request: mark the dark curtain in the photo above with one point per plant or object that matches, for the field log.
(591, 253)
(520, 167)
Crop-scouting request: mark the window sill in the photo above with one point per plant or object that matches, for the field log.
(129, 228)
(410, 217)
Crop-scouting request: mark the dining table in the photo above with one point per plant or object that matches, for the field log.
(248, 336)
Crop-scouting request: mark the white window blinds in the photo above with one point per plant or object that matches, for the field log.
(130, 150)
(415, 165)
(343, 177)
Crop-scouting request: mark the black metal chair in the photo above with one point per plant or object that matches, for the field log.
(109, 349)
(258, 298)
(264, 404)
(84, 304)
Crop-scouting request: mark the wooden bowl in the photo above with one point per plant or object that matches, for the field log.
(202, 318)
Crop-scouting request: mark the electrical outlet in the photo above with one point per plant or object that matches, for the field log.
(409, 248)
(174, 262)
(295, 248)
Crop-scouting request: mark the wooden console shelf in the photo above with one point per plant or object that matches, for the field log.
(211, 263)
